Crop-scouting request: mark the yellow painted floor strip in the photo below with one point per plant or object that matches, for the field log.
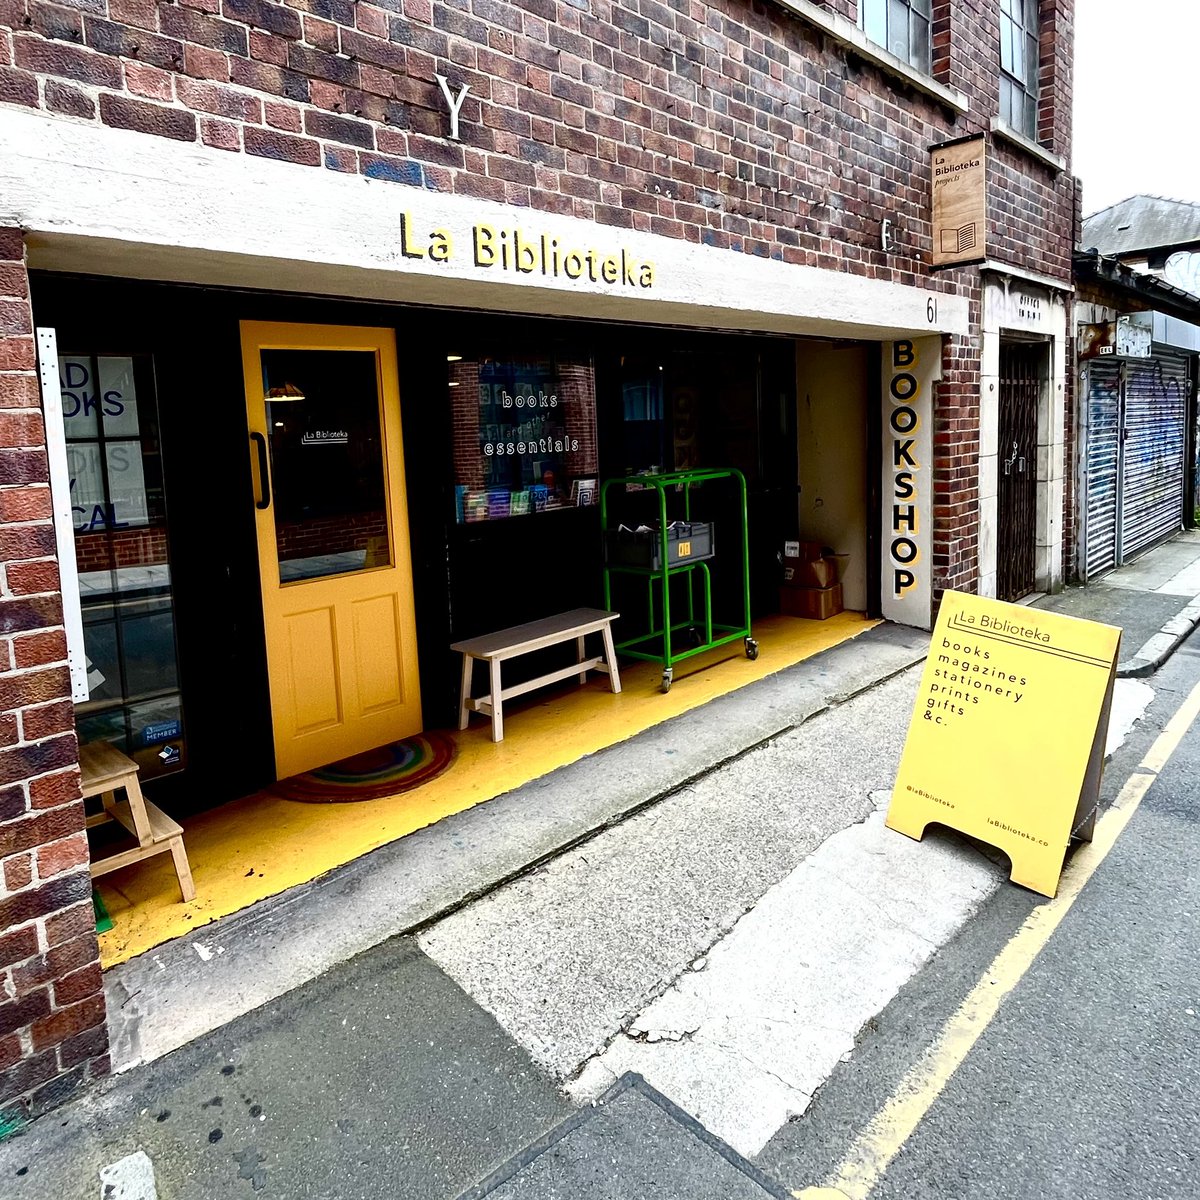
(878, 1144)
(257, 847)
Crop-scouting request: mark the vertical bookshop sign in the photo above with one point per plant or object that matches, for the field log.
(910, 369)
(1006, 742)
(959, 206)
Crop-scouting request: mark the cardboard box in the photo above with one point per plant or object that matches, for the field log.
(809, 572)
(805, 551)
(817, 604)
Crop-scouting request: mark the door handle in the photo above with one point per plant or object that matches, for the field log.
(264, 476)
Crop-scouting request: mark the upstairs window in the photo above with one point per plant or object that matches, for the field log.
(1019, 65)
(900, 26)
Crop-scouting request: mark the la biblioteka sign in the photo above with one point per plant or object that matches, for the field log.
(959, 206)
(522, 253)
(1006, 741)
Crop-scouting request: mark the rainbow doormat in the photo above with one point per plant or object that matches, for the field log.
(385, 771)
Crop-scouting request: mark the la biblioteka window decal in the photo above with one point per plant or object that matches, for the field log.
(524, 435)
(1019, 65)
(901, 27)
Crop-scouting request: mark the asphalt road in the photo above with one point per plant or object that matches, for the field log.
(1087, 1082)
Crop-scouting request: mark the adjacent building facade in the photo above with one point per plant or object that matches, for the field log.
(1137, 274)
(334, 315)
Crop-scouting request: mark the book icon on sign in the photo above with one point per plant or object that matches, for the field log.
(955, 241)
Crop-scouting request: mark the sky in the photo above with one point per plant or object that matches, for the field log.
(1136, 68)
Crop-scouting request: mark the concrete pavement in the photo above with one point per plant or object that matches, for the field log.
(379, 1080)
(197, 983)
(1155, 600)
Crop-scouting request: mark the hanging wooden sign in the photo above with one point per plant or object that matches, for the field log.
(1006, 742)
(959, 207)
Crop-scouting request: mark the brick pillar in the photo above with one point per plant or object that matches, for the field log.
(956, 465)
(1070, 476)
(52, 1032)
(464, 405)
(577, 385)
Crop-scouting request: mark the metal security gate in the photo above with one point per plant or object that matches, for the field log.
(1153, 470)
(1103, 449)
(1136, 446)
(1021, 374)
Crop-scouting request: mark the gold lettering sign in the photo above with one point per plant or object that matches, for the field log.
(960, 202)
(1007, 736)
(523, 253)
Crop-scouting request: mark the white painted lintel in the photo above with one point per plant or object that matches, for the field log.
(996, 267)
(113, 202)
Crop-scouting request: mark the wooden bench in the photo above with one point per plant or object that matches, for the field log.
(105, 771)
(494, 648)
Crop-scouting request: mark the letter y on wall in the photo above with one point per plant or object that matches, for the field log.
(455, 105)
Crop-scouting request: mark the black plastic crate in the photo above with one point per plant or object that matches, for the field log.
(686, 543)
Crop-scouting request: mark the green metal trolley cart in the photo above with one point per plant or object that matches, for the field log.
(682, 549)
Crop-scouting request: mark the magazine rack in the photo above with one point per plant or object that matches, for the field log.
(682, 550)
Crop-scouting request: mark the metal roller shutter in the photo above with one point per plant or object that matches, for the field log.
(1103, 449)
(1156, 392)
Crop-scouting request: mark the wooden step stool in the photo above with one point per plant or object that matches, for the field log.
(105, 771)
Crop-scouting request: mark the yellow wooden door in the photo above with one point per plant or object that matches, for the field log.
(323, 410)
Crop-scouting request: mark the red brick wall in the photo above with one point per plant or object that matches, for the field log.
(120, 548)
(332, 535)
(724, 121)
(577, 383)
(1055, 77)
(464, 402)
(52, 1034)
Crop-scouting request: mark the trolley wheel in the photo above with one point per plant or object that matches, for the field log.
(666, 680)
(751, 649)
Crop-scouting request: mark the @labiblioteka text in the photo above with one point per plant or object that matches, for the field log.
(522, 253)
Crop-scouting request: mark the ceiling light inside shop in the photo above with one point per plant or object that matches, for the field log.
(287, 391)
(454, 358)
(278, 424)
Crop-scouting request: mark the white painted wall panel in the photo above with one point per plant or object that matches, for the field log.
(115, 202)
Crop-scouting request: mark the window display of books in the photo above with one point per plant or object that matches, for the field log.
(532, 440)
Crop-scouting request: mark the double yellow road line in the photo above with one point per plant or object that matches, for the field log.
(879, 1143)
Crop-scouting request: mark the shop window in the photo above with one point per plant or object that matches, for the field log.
(524, 436)
(110, 420)
(644, 411)
(900, 26)
(1019, 65)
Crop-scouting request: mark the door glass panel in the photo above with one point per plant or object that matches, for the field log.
(327, 472)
